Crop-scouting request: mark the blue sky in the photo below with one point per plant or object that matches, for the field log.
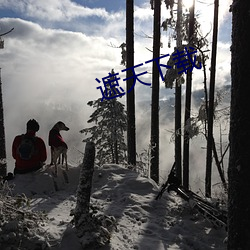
(67, 14)
(58, 48)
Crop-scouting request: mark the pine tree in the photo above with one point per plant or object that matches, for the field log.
(186, 30)
(110, 120)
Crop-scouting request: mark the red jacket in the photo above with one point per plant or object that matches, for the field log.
(37, 159)
(55, 139)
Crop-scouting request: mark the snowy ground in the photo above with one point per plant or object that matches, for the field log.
(141, 221)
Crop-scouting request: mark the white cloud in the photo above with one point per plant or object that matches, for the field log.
(143, 13)
(53, 10)
(49, 73)
(44, 70)
(55, 56)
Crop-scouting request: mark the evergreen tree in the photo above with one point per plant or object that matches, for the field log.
(186, 31)
(110, 120)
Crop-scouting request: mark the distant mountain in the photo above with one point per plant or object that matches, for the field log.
(167, 106)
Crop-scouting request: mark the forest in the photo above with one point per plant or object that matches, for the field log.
(218, 115)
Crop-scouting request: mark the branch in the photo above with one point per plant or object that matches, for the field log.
(7, 32)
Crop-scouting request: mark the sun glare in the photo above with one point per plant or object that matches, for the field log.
(188, 3)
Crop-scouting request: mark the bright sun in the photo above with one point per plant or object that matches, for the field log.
(187, 3)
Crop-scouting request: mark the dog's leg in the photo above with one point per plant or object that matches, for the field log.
(63, 157)
(55, 158)
(66, 161)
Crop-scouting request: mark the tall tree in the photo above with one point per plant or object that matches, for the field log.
(154, 168)
(131, 128)
(3, 162)
(110, 121)
(239, 159)
(188, 103)
(211, 102)
(178, 155)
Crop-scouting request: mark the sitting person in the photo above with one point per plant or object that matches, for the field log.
(28, 150)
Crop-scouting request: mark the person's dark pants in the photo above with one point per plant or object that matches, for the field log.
(25, 171)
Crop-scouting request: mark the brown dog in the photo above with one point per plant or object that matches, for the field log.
(58, 146)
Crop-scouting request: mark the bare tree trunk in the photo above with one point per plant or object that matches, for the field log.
(131, 131)
(81, 215)
(211, 103)
(154, 169)
(188, 104)
(239, 159)
(218, 164)
(116, 152)
(114, 131)
(93, 231)
(3, 161)
(178, 158)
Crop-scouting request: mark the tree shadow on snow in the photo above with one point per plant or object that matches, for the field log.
(178, 227)
(124, 191)
(39, 187)
(167, 223)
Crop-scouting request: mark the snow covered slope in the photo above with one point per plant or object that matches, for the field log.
(141, 221)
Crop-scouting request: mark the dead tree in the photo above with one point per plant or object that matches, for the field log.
(211, 103)
(94, 231)
(84, 186)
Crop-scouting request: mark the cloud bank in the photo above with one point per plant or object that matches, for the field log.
(51, 59)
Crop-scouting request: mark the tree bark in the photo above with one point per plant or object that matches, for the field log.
(83, 193)
(239, 159)
(93, 229)
(154, 169)
(131, 131)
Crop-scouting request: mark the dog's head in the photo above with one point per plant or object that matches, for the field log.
(61, 126)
